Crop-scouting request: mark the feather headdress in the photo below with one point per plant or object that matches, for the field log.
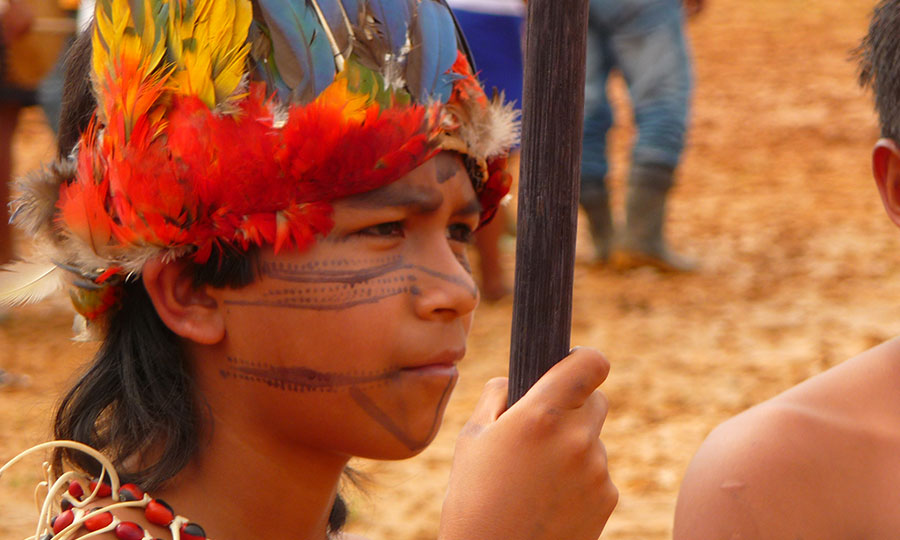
(324, 98)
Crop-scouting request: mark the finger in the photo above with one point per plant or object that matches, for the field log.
(492, 402)
(570, 382)
(594, 412)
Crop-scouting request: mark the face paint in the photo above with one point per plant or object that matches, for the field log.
(334, 284)
(342, 284)
(360, 354)
(361, 387)
(384, 419)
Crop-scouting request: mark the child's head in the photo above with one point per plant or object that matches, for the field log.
(879, 65)
(250, 219)
(879, 61)
(362, 330)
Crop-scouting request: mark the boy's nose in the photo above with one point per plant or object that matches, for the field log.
(445, 288)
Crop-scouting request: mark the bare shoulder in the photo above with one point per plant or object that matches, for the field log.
(349, 536)
(745, 469)
(795, 465)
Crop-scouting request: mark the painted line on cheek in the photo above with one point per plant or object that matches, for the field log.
(466, 284)
(354, 295)
(293, 275)
(374, 411)
(316, 305)
(300, 379)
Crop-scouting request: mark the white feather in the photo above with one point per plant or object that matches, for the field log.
(26, 282)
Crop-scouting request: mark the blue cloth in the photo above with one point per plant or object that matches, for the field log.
(496, 44)
(645, 41)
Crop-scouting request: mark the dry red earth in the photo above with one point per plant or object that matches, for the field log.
(776, 200)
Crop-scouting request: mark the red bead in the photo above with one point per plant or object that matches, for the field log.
(159, 513)
(62, 521)
(129, 531)
(104, 491)
(130, 492)
(97, 521)
(76, 490)
(65, 504)
(192, 531)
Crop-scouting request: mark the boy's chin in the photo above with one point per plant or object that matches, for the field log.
(394, 450)
(390, 444)
(404, 417)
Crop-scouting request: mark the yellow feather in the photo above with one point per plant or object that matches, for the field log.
(103, 33)
(211, 15)
(231, 71)
(200, 49)
(207, 44)
(152, 38)
(126, 59)
(243, 16)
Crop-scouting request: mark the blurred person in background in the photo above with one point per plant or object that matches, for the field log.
(493, 29)
(72, 17)
(16, 18)
(34, 37)
(644, 40)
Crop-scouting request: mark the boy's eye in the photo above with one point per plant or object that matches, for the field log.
(460, 232)
(389, 229)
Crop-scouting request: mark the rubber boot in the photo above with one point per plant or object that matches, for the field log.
(595, 203)
(643, 243)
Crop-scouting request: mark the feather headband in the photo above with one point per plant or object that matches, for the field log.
(221, 124)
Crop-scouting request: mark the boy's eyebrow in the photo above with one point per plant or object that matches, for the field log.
(471, 208)
(422, 198)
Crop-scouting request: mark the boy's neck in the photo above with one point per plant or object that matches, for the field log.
(265, 496)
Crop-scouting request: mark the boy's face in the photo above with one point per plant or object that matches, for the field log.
(351, 345)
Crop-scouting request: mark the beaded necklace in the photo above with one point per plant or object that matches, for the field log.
(76, 493)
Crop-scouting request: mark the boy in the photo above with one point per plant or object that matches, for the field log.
(820, 460)
(266, 220)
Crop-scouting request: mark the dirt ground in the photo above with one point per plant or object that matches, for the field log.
(775, 199)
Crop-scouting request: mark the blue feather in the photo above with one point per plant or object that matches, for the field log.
(337, 22)
(447, 52)
(433, 53)
(266, 70)
(393, 18)
(351, 8)
(331, 10)
(303, 54)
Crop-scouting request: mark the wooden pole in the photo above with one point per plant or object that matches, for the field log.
(553, 103)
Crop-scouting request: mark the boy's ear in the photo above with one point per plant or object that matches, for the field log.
(187, 310)
(886, 170)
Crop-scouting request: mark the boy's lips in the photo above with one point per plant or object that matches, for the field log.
(444, 361)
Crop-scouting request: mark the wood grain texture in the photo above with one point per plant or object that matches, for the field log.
(553, 101)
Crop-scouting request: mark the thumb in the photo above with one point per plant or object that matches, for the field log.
(570, 382)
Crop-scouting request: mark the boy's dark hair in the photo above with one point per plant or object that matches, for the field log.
(138, 396)
(879, 65)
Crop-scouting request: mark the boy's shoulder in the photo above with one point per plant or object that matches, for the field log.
(815, 461)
